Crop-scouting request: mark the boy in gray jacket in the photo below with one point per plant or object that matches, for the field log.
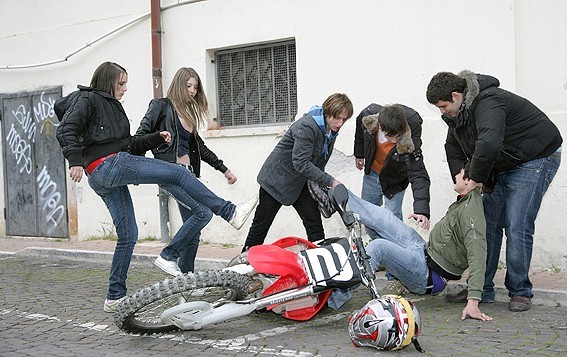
(300, 155)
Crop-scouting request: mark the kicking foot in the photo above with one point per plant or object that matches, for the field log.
(243, 211)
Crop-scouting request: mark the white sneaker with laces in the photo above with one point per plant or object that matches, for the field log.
(112, 305)
(168, 266)
(243, 211)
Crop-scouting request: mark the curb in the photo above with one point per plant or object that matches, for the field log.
(544, 297)
(145, 260)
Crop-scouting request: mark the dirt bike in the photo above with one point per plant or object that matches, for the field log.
(292, 277)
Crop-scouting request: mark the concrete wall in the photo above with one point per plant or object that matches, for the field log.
(375, 51)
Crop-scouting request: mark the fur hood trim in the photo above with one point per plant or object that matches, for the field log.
(405, 143)
(473, 87)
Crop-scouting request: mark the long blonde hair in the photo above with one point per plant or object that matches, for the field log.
(193, 110)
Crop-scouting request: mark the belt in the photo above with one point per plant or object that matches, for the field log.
(93, 165)
(439, 270)
(187, 166)
(429, 290)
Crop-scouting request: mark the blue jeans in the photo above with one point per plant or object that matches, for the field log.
(110, 179)
(512, 207)
(372, 192)
(400, 249)
(184, 244)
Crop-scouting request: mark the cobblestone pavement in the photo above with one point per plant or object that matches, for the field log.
(53, 307)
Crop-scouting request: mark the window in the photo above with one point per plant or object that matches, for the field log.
(257, 85)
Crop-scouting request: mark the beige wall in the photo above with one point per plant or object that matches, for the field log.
(375, 51)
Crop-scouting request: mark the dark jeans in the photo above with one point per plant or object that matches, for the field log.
(512, 207)
(267, 210)
(184, 244)
(110, 179)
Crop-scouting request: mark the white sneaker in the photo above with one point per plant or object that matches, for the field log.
(167, 266)
(243, 211)
(112, 305)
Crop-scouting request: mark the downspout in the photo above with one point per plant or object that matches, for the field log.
(155, 11)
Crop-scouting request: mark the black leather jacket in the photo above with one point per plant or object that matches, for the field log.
(161, 116)
(510, 128)
(93, 125)
(404, 163)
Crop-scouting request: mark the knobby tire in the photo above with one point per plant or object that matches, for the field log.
(139, 313)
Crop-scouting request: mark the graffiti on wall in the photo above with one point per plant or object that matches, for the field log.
(35, 164)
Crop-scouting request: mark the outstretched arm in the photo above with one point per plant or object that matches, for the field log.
(472, 311)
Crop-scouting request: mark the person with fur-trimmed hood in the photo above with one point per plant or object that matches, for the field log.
(387, 145)
(515, 151)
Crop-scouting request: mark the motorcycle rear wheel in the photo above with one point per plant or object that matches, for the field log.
(140, 313)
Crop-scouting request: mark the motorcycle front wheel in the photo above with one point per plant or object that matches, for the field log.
(140, 313)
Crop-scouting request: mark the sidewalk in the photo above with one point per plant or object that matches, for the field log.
(550, 288)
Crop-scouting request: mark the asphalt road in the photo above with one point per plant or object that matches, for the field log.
(53, 307)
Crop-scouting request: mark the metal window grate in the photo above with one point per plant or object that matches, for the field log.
(257, 85)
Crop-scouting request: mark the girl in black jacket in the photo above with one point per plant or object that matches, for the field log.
(182, 113)
(95, 136)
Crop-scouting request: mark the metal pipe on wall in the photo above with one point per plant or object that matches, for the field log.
(157, 80)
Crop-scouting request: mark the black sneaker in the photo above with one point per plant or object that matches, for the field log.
(462, 296)
(459, 297)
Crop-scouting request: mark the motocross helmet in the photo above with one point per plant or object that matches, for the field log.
(386, 323)
(321, 195)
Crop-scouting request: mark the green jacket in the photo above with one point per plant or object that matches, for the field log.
(458, 241)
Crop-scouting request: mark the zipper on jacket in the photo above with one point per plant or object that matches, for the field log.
(471, 222)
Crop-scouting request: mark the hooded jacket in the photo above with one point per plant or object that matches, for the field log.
(404, 163)
(161, 116)
(93, 125)
(496, 129)
(299, 155)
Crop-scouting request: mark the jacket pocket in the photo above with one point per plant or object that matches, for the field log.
(508, 160)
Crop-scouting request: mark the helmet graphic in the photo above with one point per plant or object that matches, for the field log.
(387, 323)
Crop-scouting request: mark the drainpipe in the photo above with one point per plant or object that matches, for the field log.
(158, 93)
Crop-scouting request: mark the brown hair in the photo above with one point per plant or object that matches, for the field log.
(106, 75)
(335, 104)
(392, 119)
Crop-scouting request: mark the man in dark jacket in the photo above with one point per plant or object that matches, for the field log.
(515, 151)
(387, 145)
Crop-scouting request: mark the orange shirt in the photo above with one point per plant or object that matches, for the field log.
(383, 148)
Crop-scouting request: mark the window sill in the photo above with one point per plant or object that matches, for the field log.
(245, 131)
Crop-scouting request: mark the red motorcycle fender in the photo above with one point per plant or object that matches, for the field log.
(291, 241)
(272, 259)
(280, 258)
(308, 312)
